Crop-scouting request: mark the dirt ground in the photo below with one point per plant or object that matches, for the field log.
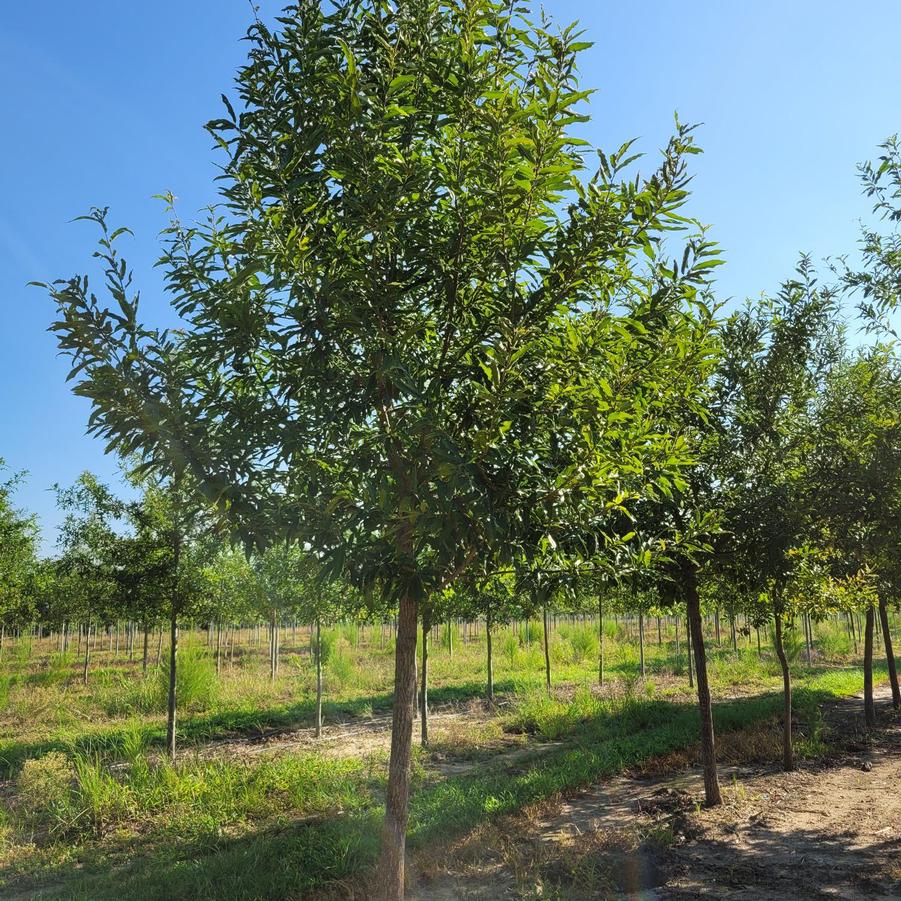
(828, 830)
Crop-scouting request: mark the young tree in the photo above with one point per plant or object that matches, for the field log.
(855, 492)
(18, 545)
(411, 289)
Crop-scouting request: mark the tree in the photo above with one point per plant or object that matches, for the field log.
(878, 281)
(855, 492)
(410, 291)
(778, 353)
(18, 543)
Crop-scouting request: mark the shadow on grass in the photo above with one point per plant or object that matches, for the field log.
(295, 860)
(251, 723)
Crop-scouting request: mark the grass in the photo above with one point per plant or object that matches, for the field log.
(96, 813)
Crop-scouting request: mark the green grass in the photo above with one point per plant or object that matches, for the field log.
(109, 819)
(203, 834)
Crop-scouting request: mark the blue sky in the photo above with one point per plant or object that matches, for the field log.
(103, 103)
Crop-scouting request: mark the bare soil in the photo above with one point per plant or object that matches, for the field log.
(831, 829)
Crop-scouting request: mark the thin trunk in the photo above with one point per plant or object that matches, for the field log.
(889, 654)
(759, 651)
(87, 653)
(734, 633)
(600, 641)
(869, 706)
(852, 633)
(547, 653)
(788, 756)
(708, 746)
(272, 646)
(173, 662)
(691, 678)
(318, 677)
(424, 691)
(641, 644)
(807, 641)
(159, 649)
(716, 620)
(218, 647)
(490, 661)
(394, 829)
(146, 637)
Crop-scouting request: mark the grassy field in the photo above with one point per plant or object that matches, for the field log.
(255, 808)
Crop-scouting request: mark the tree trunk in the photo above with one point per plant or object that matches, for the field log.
(691, 678)
(889, 654)
(146, 637)
(600, 641)
(394, 829)
(159, 649)
(218, 646)
(490, 661)
(547, 653)
(641, 668)
(716, 622)
(170, 706)
(318, 677)
(788, 755)
(87, 653)
(272, 648)
(869, 706)
(708, 746)
(424, 692)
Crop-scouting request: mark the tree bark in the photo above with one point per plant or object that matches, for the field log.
(144, 662)
(547, 653)
(170, 706)
(889, 654)
(218, 646)
(397, 796)
(87, 653)
(424, 692)
(641, 645)
(490, 660)
(272, 646)
(691, 678)
(600, 641)
(869, 706)
(708, 745)
(788, 755)
(318, 677)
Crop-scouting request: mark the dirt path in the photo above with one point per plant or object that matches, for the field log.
(826, 831)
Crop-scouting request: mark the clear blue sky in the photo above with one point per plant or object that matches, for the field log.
(103, 104)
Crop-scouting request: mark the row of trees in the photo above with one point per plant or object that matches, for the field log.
(424, 344)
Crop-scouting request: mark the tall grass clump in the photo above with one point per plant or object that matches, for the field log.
(582, 639)
(196, 684)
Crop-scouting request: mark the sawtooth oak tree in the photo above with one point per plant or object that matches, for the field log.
(416, 332)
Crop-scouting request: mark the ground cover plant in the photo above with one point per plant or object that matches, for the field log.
(94, 787)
